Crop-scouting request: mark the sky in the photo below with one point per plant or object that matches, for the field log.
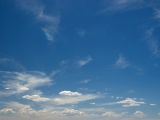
(79, 59)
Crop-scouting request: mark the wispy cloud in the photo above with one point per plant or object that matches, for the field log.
(17, 82)
(130, 102)
(119, 5)
(85, 61)
(121, 62)
(153, 42)
(36, 98)
(85, 81)
(69, 97)
(112, 114)
(49, 23)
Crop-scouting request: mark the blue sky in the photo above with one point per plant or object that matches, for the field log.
(83, 59)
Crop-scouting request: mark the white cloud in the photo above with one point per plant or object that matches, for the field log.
(139, 114)
(111, 114)
(121, 62)
(69, 93)
(14, 107)
(7, 110)
(26, 112)
(72, 112)
(130, 102)
(36, 98)
(17, 82)
(85, 61)
(49, 23)
(68, 97)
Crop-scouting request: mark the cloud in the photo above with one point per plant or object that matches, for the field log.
(157, 14)
(85, 61)
(15, 107)
(69, 93)
(119, 5)
(17, 82)
(153, 42)
(130, 102)
(121, 62)
(36, 98)
(111, 114)
(139, 114)
(72, 112)
(152, 104)
(85, 81)
(26, 112)
(68, 97)
(49, 23)
(7, 110)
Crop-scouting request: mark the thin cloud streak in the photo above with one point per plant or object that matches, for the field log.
(49, 23)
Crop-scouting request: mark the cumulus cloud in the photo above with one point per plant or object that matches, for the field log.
(36, 98)
(49, 23)
(130, 102)
(85, 61)
(25, 112)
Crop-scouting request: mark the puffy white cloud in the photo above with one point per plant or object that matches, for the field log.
(130, 102)
(36, 98)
